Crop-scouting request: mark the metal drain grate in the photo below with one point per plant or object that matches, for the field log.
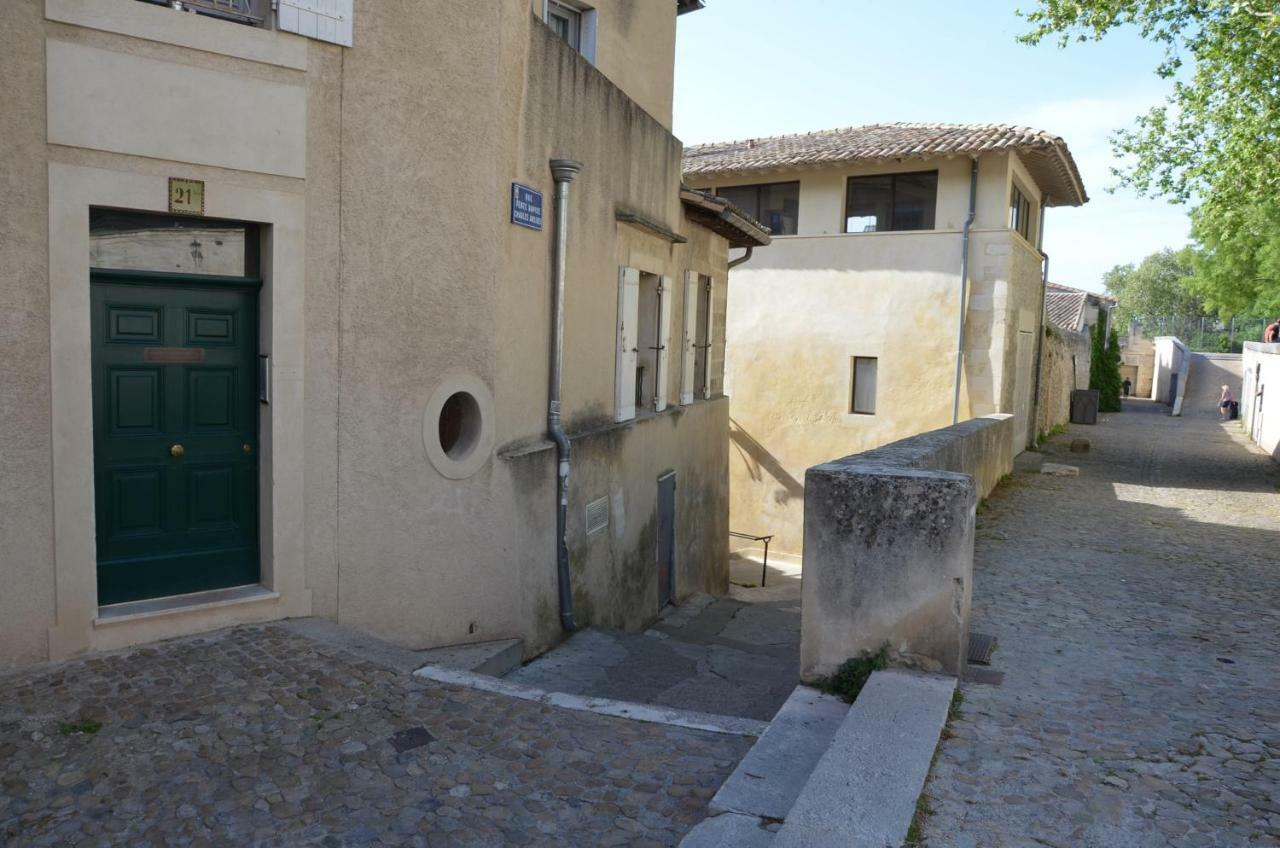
(980, 647)
(410, 738)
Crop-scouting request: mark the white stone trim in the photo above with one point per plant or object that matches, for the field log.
(72, 190)
(459, 468)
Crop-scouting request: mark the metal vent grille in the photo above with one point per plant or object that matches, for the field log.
(597, 515)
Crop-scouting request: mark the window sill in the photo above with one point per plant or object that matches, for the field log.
(177, 604)
(183, 29)
(548, 445)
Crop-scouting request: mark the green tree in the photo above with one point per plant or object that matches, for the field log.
(1104, 369)
(1157, 287)
(1215, 143)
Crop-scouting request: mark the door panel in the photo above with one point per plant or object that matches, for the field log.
(666, 537)
(175, 436)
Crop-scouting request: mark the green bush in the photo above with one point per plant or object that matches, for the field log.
(1104, 370)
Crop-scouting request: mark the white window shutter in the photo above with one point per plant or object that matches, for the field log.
(323, 20)
(624, 402)
(661, 378)
(688, 353)
(715, 355)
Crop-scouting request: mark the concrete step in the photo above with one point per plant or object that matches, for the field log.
(863, 792)
(730, 830)
(769, 779)
(494, 658)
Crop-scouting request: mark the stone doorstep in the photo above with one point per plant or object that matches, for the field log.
(730, 830)
(864, 790)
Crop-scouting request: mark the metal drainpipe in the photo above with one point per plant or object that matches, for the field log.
(1044, 296)
(734, 263)
(964, 286)
(562, 171)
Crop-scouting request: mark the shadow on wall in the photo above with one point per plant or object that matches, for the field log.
(759, 462)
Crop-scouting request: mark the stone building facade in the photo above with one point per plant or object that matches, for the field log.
(844, 333)
(281, 321)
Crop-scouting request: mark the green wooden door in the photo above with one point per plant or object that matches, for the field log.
(175, 434)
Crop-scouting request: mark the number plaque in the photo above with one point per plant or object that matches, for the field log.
(186, 197)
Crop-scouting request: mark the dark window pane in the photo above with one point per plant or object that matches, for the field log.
(869, 204)
(145, 241)
(914, 201)
(780, 207)
(745, 198)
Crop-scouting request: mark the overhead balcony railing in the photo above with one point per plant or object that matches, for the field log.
(251, 12)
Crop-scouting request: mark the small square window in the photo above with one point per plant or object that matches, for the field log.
(566, 22)
(891, 202)
(862, 385)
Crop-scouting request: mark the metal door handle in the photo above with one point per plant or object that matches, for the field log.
(177, 450)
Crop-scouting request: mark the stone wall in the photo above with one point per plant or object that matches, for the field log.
(1059, 375)
(889, 545)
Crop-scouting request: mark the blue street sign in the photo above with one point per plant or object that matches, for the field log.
(526, 206)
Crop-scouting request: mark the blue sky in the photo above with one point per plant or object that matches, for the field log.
(751, 68)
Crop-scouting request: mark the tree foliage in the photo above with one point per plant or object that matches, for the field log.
(1157, 287)
(1215, 142)
(1104, 368)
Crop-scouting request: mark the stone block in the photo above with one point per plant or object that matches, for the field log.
(1079, 445)
(888, 558)
(864, 790)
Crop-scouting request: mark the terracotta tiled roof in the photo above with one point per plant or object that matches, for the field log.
(1064, 306)
(723, 217)
(1046, 156)
(1065, 309)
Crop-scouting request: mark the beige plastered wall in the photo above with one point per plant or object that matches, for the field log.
(390, 270)
(804, 306)
(635, 49)
(630, 162)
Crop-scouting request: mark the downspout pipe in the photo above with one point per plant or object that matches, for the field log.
(563, 172)
(734, 263)
(964, 285)
(1044, 302)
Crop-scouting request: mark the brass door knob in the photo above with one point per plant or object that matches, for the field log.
(177, 450)
(247, 448)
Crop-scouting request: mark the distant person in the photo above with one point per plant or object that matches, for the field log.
(1271, 334)
(1127, 385)
(1224, 403)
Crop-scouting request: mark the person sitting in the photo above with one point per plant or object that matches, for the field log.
(1224, 403)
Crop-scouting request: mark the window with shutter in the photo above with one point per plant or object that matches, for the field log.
(689, 349)
(717, 304)
(661, 375)
(323, 20)
(628, 344)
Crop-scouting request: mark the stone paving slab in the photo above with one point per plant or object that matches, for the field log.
(737, 655)
(1137, 609)
(260, 736)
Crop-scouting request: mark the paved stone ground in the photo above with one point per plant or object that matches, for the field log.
(1137, 608)
(738, 655)
(260, 736)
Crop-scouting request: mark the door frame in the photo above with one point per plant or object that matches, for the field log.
(73, 189)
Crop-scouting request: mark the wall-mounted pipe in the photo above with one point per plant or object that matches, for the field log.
(734, 263)
(964, 286)
(562, 171)
(1044, 298)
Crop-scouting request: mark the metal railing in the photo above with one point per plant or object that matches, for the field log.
(253, 12)
(764, 567)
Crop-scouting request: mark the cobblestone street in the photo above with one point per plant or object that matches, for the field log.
(1137, 609)
(259, 736)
